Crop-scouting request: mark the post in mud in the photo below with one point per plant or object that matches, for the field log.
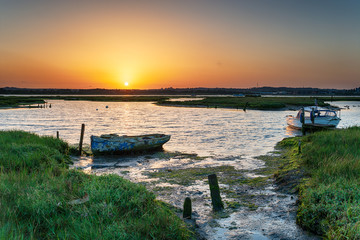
(215, 193)
(187, 208)
(81, 138)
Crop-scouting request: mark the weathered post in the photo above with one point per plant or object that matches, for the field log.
(215, 193)
(57, 134)
(299, 150)
(302, 120)
(246, 104)
(187, 208)
(81, 138)
(312, 116)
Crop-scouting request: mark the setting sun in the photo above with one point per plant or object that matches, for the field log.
(126, 84)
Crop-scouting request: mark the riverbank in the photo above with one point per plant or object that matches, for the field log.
(41, 198)
(245, 103)
(15, 101)
(326, 174)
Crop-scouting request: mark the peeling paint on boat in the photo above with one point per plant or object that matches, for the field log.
(115, 144)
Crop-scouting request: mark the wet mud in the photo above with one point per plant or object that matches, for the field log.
(255, 206)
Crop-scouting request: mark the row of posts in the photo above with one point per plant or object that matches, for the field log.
(81, 137)
(45, 105)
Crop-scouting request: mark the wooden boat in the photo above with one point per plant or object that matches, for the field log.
(314, 118)
(115, 144)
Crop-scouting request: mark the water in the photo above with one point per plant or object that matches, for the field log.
(221, 136)
(214, 132)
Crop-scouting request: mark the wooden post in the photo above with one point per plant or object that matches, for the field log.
(312, 116)
(187, 208)
(302, 120)
(299, 150)
(57, 134)
(215, 193)
(246, 104)
(81, 138)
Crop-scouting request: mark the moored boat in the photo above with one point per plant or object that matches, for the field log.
(314, 117)
(115, 144)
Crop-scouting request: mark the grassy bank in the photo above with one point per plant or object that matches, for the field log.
(40, 198)
(13, 101)
(260, 103)
(111, 98)
(327, 173)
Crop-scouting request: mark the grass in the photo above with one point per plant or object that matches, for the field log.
(37, 193)
(329, 191)
(14, 101)
(260, 103)
(111, 98)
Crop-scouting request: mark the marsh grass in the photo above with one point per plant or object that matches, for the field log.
(330, 197)
(37, 190)
(15, 101)
(260, 103)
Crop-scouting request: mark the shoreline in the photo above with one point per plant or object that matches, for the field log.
(42, 199)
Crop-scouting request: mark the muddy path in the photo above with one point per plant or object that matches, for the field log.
(255, 207)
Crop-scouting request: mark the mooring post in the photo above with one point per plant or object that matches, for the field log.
(187, 208)
(302, 120)
(57, 134)
(299, 150)
(312, 116)
(246, 104)
(81, 138)
(215, 193)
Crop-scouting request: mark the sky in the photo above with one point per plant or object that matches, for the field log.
(142, 44)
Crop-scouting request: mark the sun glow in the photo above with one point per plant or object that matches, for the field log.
(126, 84)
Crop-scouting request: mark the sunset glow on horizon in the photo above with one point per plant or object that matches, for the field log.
(235, 44)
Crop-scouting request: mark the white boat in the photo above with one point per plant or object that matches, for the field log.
(314, 117)
(115, 144)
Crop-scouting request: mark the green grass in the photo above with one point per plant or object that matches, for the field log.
(260, 103)
(330, 189)
(14, 101)
(36, 190)
(111, 98)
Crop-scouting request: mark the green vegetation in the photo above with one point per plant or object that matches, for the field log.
(13, 101)
(329, 187)
(111, 98)
(260, 103)
(230, 177)
(187, 176)
(40, 198)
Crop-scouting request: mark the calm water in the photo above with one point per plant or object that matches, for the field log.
(207, 132)
(214, 132)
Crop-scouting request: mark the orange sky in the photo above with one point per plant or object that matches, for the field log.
(102, 44)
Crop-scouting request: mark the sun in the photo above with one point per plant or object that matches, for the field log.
(126, 84)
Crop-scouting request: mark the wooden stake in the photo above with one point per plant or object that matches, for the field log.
(81, 138)
(57, 134)
(187, 208)
(215, 193)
